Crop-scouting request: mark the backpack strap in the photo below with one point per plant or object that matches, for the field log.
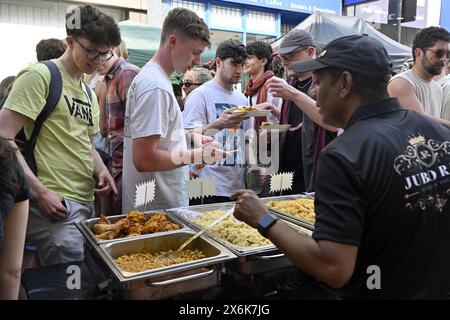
(88, 91)
(54, 94)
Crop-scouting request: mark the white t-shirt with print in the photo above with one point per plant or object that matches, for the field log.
(152, 109)
(203, 106)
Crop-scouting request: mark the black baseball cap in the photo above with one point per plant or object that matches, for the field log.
(231, 48)
(360, 54)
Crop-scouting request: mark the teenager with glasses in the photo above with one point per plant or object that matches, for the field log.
(63, 188)
(415, 88)
(93, 54)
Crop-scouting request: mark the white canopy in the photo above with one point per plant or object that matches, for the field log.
(326, 27)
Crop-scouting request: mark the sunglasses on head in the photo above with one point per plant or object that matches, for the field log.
(190, 84)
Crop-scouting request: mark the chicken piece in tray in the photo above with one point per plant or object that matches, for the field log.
(159, 223)
(136, 217)
(135, 229)
(134, 224)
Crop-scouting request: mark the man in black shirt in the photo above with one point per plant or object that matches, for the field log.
(382, 219)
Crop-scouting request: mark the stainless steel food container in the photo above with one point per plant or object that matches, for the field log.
(88, 225)
(165, 282)
(251, 260)
(289, 217)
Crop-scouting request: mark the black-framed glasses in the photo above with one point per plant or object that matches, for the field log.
(94, 54)
(439, 53)
(188, 84)
(288, 56)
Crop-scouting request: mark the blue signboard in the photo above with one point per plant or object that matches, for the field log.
(353, 2)
(304, 6)
(445, 12)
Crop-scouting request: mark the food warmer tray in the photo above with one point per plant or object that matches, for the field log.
(164, 282)
(289, 217)
(251, 260)
(88, 225)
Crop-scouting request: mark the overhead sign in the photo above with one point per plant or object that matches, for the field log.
(409, 9)
(376, 11)
(383, 11)
(421, 15)
(304, 6)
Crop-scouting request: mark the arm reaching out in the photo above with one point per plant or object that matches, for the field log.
(280, 88)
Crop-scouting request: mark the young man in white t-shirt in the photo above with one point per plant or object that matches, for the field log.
(154, 139)
(209, 106)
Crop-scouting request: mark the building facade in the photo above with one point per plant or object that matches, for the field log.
(23, 23)
(246, 20)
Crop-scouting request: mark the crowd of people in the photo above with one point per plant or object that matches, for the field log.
(373, 148)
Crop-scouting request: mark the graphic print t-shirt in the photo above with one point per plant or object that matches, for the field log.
(203, 106)
(383, 186)
(63, 150)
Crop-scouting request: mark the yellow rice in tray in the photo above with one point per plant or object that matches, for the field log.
(233, 231)
(141, 261)
(300, 208)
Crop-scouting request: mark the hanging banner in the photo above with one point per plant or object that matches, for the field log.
(304, 6)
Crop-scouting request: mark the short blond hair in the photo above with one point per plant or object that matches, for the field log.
(122, 50)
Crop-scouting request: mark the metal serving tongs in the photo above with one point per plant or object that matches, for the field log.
(170, 255)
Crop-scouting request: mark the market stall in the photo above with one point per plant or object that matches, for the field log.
(231, 258)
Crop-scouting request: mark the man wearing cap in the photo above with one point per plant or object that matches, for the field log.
(382, 220)
(210, 107)
(415, 88)
(298, 145)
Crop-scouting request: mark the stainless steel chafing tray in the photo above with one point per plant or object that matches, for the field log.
(251, 260)
(164, 282)
(88, 225)
(289, 217)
